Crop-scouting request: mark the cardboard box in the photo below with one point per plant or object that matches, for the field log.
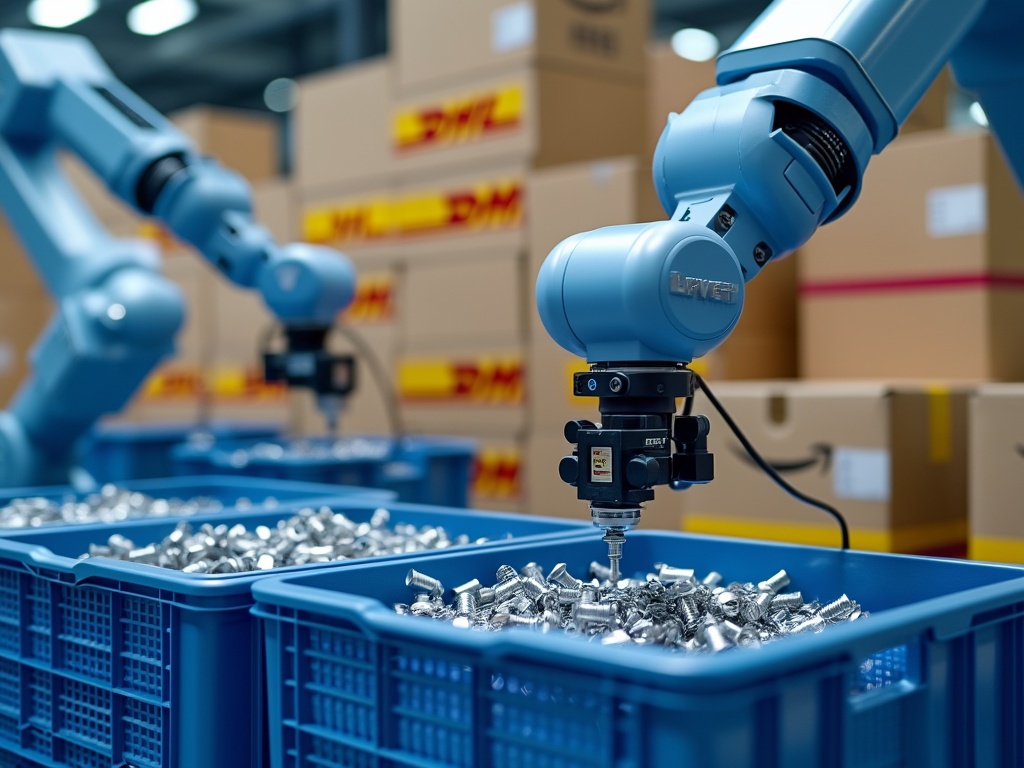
(274, 207)
(672, 83)
(922, 277)
(466, 299)
(195, 342)
(932, 111)
(444, 390)
(891, 458)
(544, 116)
(341, 126)
(239, 322)
(245, 141)
(438, 41)
(357, 221)
(481, 211)
(996, 479)
(22, 321)
(546, 494)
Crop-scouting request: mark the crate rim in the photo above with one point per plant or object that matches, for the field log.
(37, 556)
(943, 616)
(230, 482)
(218, 455)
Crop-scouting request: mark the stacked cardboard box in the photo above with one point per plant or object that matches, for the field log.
(419, 168)
(996, 479)
(891, 458)
(922, 277)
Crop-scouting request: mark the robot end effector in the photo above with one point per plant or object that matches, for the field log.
(304, 286)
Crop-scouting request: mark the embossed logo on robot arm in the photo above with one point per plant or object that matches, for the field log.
(699, 288)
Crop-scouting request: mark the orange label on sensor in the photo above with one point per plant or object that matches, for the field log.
(484, 381)
(458, 120)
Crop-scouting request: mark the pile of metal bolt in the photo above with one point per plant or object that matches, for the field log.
(110, 505)
(310, 536)
(344, 449)
(670, 608)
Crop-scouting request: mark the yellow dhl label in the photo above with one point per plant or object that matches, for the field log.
(485, 381)
(458, 120)
(497, 472)
(231, 384)
(374, 300)
(174, 383)
(486, 206)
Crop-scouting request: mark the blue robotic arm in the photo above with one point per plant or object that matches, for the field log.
(747, 173)
(117, 316)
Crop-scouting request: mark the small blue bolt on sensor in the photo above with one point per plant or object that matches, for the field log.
(592, 384)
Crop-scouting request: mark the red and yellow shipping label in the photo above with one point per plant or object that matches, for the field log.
(374, 301)
(497, 473)
(175, 382)
(489, 205)
(355, 221)
(458, 120)
(482, 381)
(244, 383)
(223, 384)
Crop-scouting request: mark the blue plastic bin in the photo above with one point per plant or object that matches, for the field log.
(421, 470)
(119, 452)
(935, 677)
(104, 661)
(229, 491)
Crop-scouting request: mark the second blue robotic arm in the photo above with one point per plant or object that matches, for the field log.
(117, 316)
(747, 173)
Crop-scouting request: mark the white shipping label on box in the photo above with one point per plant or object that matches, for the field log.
(956, 211)
(512, 27)
(861, 474)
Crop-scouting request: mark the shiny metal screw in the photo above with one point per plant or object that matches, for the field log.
(421, 581)
(775, 583)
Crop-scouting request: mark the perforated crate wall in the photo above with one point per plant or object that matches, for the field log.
(87, 673)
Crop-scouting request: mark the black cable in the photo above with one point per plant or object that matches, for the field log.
(383, 381)
(769, 470)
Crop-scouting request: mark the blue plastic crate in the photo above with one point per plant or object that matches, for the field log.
(421, 470)
(232, 492)
(103, 661)
(119, 452)
(935, 677)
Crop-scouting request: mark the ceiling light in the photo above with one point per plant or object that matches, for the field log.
(695, 44)
(60, 13)
(977, 114)
(154, 17)
(280, 95)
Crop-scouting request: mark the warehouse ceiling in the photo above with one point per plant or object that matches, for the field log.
(233, 48)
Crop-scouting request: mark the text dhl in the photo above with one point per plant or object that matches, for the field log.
(489, 206)
(459, 120)
(484, 381)
(496, 473)
(374, 300)
(224, 384)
